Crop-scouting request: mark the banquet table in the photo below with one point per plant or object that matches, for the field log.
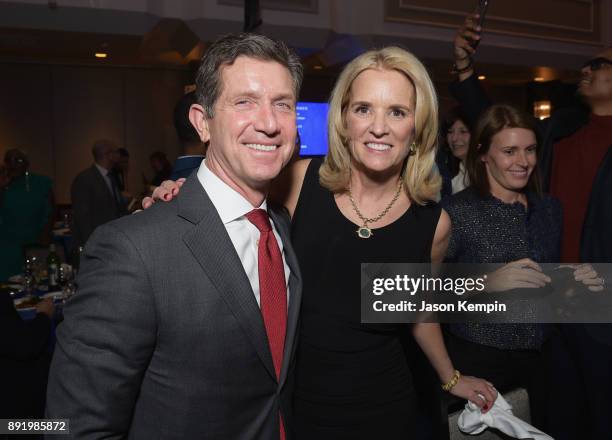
(20, 296)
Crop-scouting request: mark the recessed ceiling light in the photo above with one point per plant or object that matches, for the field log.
(542, 109)
(101, 55)
(538, 79)
(482, 77)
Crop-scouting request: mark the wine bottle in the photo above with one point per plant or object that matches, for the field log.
(53, 264)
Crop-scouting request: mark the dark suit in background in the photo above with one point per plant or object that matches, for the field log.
(165, 339)
(184, 166)
(93, 204)
(24, 362)
(193, 147)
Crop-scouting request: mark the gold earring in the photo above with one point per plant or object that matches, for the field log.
(412, 150)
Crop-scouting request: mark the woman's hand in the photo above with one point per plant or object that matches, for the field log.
(518, 274)
(165, 192)
(429, 337)
(478, 391)
(587, 275)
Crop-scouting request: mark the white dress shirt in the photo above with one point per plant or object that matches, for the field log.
(232, 208)
(461, 180)
(107, 178)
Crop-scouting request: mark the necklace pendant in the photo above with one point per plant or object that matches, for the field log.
(364, 232)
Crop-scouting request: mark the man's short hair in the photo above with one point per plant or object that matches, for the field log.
(101, 147)
(224, 52)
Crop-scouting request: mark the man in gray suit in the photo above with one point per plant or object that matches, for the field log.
(184, 322)
(96, 198)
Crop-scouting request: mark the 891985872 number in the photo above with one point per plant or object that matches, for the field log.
(39, 426)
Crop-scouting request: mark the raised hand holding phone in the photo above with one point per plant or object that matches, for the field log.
(467, 39)
(463, 49)
(480, 14)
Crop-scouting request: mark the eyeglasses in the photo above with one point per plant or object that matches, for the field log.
(597, 63)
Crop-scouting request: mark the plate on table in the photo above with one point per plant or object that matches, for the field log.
(16, 279)
(26, 303)
(58, 295)
(10, 289)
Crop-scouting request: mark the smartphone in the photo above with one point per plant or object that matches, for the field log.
(481, 10)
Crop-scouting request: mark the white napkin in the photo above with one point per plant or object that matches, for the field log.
(472, 421)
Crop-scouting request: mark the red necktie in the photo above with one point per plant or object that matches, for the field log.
(272, 290)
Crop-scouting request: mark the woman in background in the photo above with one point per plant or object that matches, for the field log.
(453, 152)
(503, 218)
(26, 211)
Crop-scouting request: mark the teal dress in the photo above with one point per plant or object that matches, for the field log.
(25, 207)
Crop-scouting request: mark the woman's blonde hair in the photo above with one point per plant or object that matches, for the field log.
(421, 178)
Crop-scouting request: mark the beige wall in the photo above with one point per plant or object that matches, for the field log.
(56, 112)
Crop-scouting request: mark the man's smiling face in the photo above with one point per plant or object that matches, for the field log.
(252, 134)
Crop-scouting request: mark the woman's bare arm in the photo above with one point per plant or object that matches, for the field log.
(441, 238)
(285, 189)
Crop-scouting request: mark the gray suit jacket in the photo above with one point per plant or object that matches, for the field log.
(92, 204)
(164, 338)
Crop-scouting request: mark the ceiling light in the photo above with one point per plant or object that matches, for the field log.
(318, 67)
(101, 55)
(542, 109)
(539, 78)
(482, 77)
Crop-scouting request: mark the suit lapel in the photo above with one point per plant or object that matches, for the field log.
(211, 246)
(295, 292)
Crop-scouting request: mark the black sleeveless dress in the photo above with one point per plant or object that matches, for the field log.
(352, 380)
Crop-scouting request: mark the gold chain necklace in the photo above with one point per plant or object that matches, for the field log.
(364, 231)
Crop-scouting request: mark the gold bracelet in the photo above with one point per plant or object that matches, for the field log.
(452, 382)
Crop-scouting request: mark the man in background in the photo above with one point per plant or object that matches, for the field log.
(95, 193)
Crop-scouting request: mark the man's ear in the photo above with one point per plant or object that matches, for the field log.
(197, 116)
